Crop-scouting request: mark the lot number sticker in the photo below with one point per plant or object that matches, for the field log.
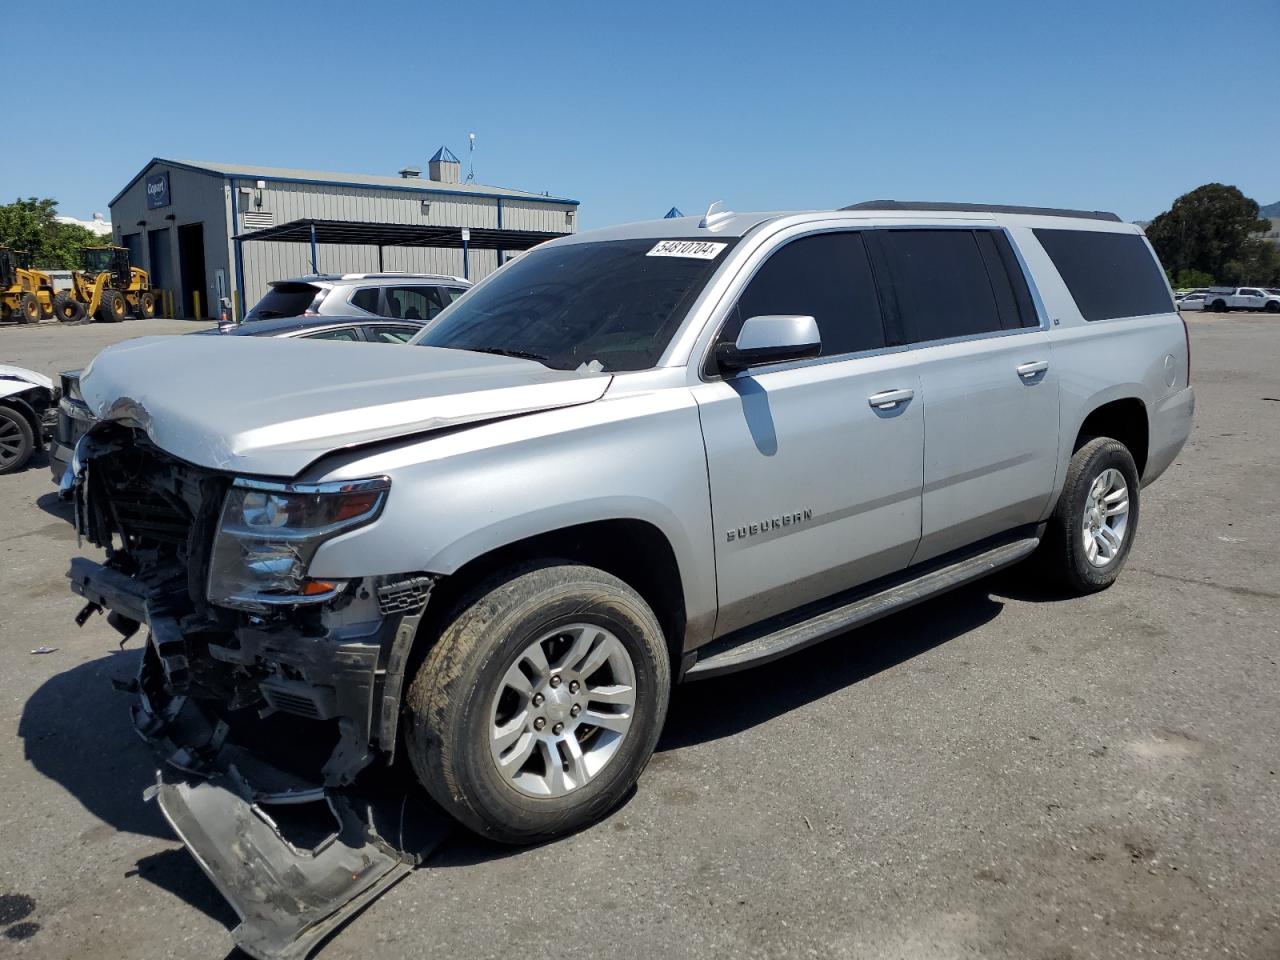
(697, 249)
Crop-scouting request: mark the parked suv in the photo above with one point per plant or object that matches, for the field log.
(631, 457)
(398, 296)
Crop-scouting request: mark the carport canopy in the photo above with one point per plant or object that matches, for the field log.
(399, 235)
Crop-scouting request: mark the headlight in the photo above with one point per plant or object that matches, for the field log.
(269, 532)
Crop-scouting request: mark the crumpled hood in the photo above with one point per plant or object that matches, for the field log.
(16, 379)
(271, 407)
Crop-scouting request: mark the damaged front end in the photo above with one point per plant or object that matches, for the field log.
(266, 692)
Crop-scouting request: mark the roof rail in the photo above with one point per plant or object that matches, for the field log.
(982, 208)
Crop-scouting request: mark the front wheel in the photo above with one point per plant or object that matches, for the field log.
(1272, 307)
(1093, 526)
(146, 305)
(540, 704)
(112, 308)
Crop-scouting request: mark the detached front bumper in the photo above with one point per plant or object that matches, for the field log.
(297, 848)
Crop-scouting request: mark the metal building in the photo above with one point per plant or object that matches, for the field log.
(206, 231)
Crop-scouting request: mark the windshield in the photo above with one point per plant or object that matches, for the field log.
(612, 305)
(97, 259)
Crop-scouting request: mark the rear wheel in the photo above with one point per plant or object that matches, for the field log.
(1219, 306)
(1093, 526)
(68, 310)
(112, 308)
(541, 702)
(28, 308)
(146, 305)
(16, 440)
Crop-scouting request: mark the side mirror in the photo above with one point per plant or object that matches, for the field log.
(771, 339)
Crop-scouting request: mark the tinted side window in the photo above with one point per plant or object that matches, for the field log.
(342, 333)
(366, 299)
(826, 276)
(390, 334)
(941, 284)
(1109, 274)
(414, 303)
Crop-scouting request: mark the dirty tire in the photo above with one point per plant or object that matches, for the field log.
(68, 310)
(16, 440)
(146, 305)
(451, 697)
(113, 307)
(1063, 552)
(28, 308)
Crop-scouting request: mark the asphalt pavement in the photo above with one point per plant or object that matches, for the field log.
(999, 773)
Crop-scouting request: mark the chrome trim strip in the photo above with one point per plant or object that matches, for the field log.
(369, 485)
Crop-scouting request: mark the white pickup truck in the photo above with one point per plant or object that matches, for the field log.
(1222, 299)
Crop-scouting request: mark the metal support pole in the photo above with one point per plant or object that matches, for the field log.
(380, 258)
(466, 264)
(314, 268)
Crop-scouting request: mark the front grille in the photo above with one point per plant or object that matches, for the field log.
(153, 499)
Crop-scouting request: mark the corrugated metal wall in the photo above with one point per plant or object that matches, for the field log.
(267, 261)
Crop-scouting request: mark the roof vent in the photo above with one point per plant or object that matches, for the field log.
(410, 172)
(444, 167)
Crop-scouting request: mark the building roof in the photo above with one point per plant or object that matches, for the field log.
(325, 177)
(400, 235)
(445, 155)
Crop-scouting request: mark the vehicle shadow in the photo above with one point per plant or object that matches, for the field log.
(700, 711)
(75, 730)
(55, 506)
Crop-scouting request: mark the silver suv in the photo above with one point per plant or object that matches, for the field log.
(398, 296)
(653, 453)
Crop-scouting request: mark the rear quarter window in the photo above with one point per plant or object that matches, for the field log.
(1109, 275)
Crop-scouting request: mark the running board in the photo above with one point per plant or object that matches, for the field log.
(752, 650)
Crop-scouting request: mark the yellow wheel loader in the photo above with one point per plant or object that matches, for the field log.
(26, 295)
(108, 288)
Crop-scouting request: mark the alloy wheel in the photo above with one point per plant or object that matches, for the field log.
(1106, 517)
(562, 710)
(12, 442)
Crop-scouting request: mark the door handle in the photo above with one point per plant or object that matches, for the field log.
(888, 399)
(1029, 370)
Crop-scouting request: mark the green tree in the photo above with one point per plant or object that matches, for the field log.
(1258, 264)
(1207, 229)
(30, 225)
(1185, 279)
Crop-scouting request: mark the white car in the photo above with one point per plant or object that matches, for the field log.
(28, 405)
(1191, 301)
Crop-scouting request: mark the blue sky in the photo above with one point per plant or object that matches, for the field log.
(633, 108)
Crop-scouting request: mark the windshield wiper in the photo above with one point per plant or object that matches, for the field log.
(506, 352)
